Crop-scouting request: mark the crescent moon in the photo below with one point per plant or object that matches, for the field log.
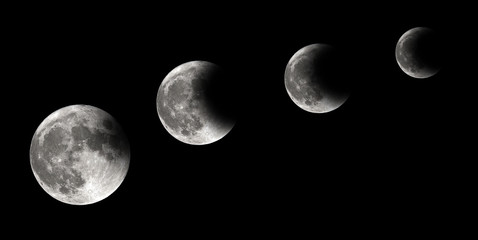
(418, 52)
(311, 79)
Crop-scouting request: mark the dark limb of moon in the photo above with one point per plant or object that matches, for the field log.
(193, 103)
(418, 52)
(79, 154)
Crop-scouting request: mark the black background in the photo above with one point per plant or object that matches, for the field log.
(390, 160)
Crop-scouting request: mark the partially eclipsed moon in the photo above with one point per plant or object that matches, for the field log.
(79, 155)
(417, 52)
(312, 79)
(188, 104)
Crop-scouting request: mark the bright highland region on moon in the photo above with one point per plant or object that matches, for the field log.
(79, 154)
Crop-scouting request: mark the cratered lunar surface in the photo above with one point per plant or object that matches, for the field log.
(79, 154)
(312, 79)
(417, 52)
(191, 104)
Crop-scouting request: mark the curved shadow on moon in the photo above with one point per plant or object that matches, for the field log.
(221, 95)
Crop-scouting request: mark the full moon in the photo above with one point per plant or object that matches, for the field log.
(192, 105)
(79, 154)
(312, 79)
(417, 52)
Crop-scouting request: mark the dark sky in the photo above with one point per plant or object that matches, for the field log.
(389, 154)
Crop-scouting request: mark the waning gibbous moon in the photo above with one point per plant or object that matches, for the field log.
(312, 79)
(418, 52)
(79, 154)
(192, 103)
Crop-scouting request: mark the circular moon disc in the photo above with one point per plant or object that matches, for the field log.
(311, 79)
(188, 106)
(79, 154)
(417, 52)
